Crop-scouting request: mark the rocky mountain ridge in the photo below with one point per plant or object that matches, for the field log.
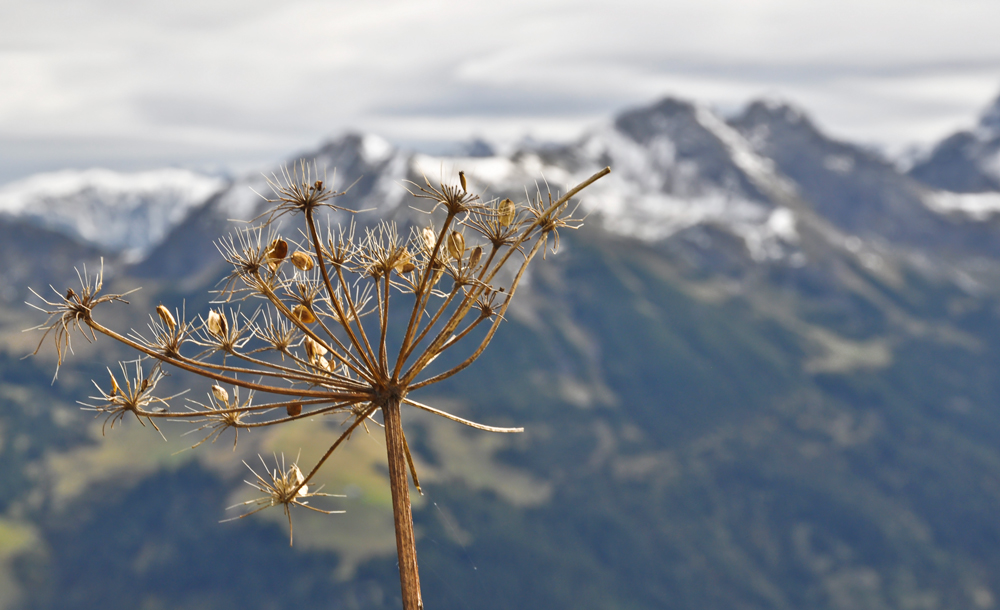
(677, 168)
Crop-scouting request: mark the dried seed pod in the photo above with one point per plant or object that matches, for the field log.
(220, 394)
(314, 349)
(403, 263)
(295, 476)
(294, 409)
(506, 212)
(277, 253)
(477, 253)
(461, 178)
(166, 317)
(303, 314)
(217, 323)
(429, 237)
(114, 385)
(456, 245)
(302, 261)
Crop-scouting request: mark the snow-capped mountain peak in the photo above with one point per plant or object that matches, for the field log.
(675, 165)
(121, 212)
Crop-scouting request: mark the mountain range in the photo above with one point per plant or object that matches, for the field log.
(762, 375)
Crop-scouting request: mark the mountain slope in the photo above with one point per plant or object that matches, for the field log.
(968, 161)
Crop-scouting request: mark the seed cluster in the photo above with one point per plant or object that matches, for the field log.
(304, 320)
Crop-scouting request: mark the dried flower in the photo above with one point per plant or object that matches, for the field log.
(276, 253)
(506, 212)
(456, 245)
(313, 349)
(404, 262)
(217, 324)
(166, 317)
(294, 474)
(218, 420)
(477, 254)
(303, 314)
(73, 311)
(429, 237)
(302, 260)
(220, 394)
(135, 397)
(284, 487)
(354, 365)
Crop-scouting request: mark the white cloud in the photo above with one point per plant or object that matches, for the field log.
(264, 76)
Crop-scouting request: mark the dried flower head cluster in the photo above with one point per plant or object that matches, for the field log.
(285, 487)
(304, 321)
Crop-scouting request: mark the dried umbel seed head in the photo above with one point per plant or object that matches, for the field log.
(217, 323)
(456, 245)
(461, 178)
(506, 212)
(302, 261)
(294, 409)
(166, 317)
(429, 237)
(303, 314)
(276, 253)
(477, 254)
(220, 394)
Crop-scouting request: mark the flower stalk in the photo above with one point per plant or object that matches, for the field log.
(318, 344)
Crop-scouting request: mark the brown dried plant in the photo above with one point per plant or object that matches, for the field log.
(320, 342)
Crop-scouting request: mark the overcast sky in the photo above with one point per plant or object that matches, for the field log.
(225, 84)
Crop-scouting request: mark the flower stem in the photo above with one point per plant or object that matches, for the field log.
(406, 547)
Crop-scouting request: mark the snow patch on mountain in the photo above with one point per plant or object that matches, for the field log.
(651, 193)
(128, 213)
(760, 169)
(977, 206)
(375, 149)
(243, 200)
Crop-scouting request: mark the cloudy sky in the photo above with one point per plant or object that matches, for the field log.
(217, 84)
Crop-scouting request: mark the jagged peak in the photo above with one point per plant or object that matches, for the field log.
(670, 106)
(351, 146)
(989, 121)
(478, 147)
(773, 110)
(646, 123)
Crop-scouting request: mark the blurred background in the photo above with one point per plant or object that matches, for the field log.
(763, 375)
(233, 85)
